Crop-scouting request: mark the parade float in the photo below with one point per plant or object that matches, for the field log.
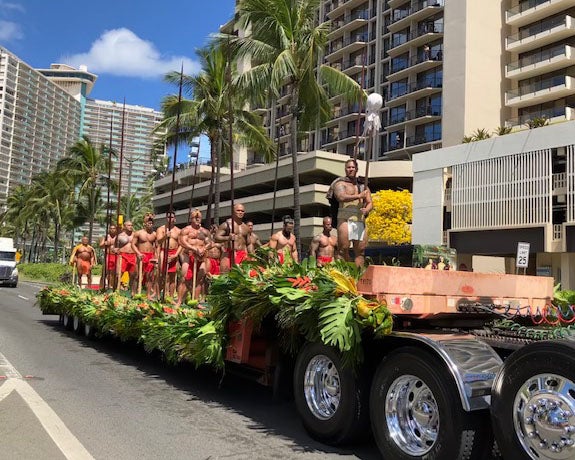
(427, 358)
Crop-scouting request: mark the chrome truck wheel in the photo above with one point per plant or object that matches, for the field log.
(412, 415)
(330, 399)
(534, 394)
(322, 387)
(416, 411)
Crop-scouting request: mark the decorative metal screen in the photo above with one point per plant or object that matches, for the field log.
(509, 191)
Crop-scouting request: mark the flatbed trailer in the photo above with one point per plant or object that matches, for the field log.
(441, 386)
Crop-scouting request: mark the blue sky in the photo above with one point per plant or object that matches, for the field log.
(129, 44)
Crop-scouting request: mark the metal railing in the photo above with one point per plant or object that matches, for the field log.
(548, 114)
(538, 28)
(523, 6)
(548, 83)
(536, 58)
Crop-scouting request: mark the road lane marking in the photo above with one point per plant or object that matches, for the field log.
(22, 297)
(68, 444)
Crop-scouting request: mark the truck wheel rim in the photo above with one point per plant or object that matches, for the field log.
(544, 417)
(412, 415)
(322, 387)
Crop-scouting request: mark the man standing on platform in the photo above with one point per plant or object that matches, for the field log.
(84, 258)
(354, 206)
(194, 240)
(284, 241)
(144, 245)
(324, 245)
(108, 244)
(253, 238)
(127, 261)
(234, 233)
(162, 233)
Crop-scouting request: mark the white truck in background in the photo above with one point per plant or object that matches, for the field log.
(8, 270)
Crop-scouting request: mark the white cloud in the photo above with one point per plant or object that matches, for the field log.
(12, 6)
(121, 52)
(10, 31)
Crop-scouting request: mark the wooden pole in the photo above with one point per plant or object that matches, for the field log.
(174, 163)
(120, 222)
(358, 122)
(140, 275)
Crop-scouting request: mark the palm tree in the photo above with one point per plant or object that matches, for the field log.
(14, 216)
(208, 112)
(284, 44)
(478, 135)
(51, 197)
(87, 165)
(134, 208)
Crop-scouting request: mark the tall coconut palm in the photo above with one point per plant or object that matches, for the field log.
(87, 165)
(14, 216)
(52, 196)
(208, 112)
(284, 43)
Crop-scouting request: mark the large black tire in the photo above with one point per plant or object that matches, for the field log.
(539, 376)
(333, 405)
(416, 412)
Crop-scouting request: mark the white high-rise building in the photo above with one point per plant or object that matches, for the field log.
(38, 122)
(138, 123)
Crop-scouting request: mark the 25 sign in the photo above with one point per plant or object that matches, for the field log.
(522, 255)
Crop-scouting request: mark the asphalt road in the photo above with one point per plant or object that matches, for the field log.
(63, 396)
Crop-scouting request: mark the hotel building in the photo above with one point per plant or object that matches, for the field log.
(38, 122)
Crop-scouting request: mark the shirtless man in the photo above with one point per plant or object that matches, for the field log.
(144, 245)
(84, 258)
(323, 246)
(284, 241)
(107, 243)
(194, 241)
(213, 254)
(127, 261)
(162, 234)
(234, 233)
(253, 238)
(354, 206)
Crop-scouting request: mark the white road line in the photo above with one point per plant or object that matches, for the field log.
(22, 297)
(54, 426)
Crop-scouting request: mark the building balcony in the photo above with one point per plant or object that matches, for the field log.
(530, 11)
(400, 45)
(412, 117)
(338, 7)
(353, 65)
(397, 3)
(544, 62)
(553, 115)
(416, 64)
(350, 23)
(416, 90)
(544, 91)
(354, 43)
(416, 13)
(537, 37)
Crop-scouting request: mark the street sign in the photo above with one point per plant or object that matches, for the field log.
(522, 255)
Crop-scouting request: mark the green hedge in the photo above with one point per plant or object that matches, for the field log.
(50, 273)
